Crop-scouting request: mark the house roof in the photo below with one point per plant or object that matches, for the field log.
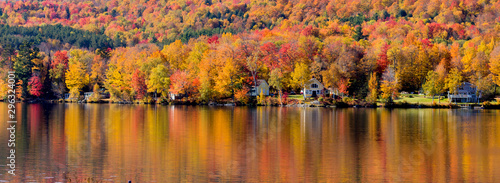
(313, 80)
(260, 81)
(466, 86)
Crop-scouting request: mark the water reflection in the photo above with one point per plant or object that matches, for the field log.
(146, 143)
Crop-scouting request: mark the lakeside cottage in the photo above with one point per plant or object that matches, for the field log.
(262, 86)
(313, 88)
(466, 93)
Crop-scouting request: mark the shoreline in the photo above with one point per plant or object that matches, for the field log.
(395, 105)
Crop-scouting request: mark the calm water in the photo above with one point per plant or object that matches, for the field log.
(143, 143)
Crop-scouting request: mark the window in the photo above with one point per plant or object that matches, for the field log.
(314, 85)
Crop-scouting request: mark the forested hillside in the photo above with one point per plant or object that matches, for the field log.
(211, 50)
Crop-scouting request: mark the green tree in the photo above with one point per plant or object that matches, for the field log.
(433, 85)
(24, 63)
(358, 34)
(276, 81)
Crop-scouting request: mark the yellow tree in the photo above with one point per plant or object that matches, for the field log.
(98, 70)
(176, 54)
(469, 54)
(115, 82)
(159, 81)
(495, 65)
(453, 80)
(76, 78)
(373, 87)
(195, 56)
(300, 76)
(227, 79)
(390, 85)
(207, 74)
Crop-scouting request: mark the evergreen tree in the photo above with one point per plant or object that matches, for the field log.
(23, 64)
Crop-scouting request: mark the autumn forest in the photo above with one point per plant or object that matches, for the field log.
(206, 50)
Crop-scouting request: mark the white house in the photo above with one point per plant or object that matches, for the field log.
(466, 92)
(262, 86)
(313, 88)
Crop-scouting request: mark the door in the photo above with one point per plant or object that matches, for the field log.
(314, 93)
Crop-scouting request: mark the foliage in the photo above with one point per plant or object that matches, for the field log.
(453, 81)
(139, 84)
(96, 95)
(389, 87)
(241, 96)
(494, 64)
(59, 66)
(159, 81)
(276, 81)
(373, 86)
(115, 82)
(26, 59)
(433, 84)
(74, 94)
(76, 77)
(35, 86)
(300, 76)
(15, 35)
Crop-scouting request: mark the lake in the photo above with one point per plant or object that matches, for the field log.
(148, 143)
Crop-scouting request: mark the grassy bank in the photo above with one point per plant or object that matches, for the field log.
(419, 99)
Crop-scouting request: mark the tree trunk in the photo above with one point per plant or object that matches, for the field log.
(433, 99)
(279, 92)
(232, 90)
(254, 82)
(304, 93)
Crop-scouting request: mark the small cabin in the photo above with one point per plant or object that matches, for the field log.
(466, 93)
(313, 88)
(262, 86)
